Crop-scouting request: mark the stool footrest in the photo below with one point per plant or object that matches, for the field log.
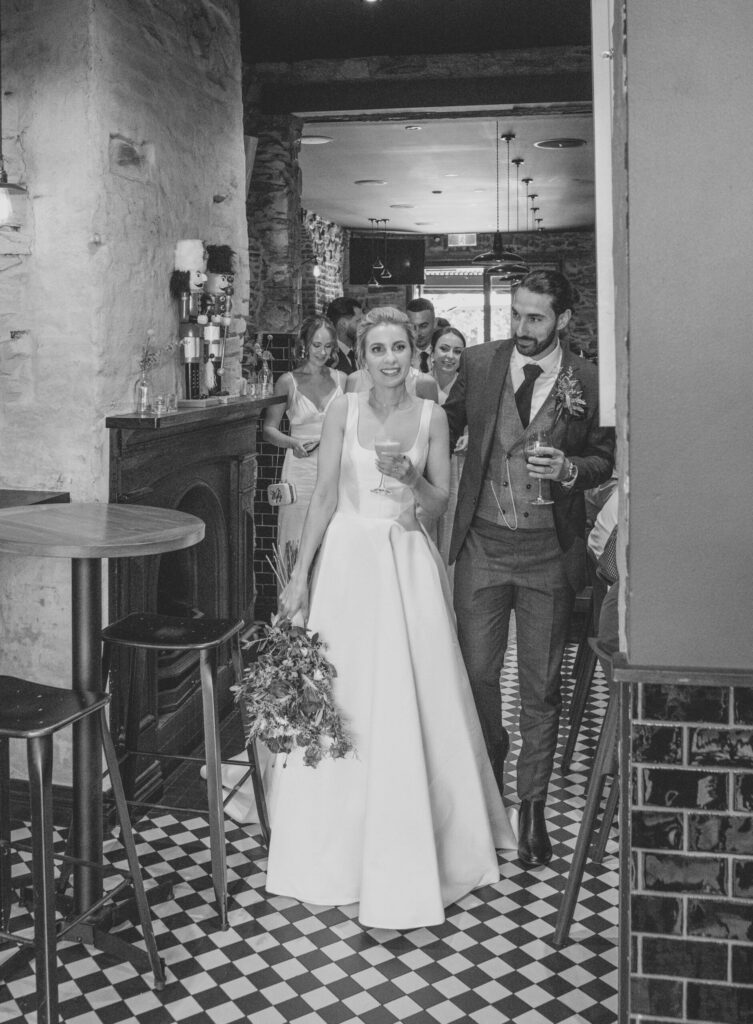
(119, 948)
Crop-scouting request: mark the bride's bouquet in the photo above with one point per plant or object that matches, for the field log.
(286, 690)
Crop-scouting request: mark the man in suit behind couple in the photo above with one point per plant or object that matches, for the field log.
(515, 555)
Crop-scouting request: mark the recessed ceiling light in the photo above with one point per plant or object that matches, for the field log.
(370, 181)
(413, 127)
(315, 140)
(402, 206)
(479, 190)
(560, 143)
(451, 175)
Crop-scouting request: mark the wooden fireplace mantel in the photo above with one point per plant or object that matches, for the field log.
(185, 418)
(202, 461)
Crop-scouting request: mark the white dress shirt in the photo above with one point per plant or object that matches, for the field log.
(550, 367)
(605, 523)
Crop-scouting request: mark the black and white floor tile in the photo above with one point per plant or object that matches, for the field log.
(491, 962)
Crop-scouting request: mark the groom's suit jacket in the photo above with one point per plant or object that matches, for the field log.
(343, 363)
(475, 400)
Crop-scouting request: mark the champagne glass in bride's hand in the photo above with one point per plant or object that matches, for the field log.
(383, 447)
(537, 443)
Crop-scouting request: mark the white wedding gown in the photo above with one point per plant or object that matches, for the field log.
(412, 822)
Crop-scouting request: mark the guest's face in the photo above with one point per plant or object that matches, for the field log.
(387, 354)
(423, 321)
(447, 353)
(320, 347)
(535, 325)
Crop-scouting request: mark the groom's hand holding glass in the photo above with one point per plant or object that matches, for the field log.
(547, 463)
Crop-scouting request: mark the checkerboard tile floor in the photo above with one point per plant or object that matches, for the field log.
(280, 961)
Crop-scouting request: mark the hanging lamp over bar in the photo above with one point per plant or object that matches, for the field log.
(507, 264)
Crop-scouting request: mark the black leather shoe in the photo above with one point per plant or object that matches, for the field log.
(534, 847)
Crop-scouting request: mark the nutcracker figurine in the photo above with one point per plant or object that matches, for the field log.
(189, 277)
(215, 313)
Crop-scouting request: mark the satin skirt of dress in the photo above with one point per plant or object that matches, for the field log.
(290, 518)
(411, 823)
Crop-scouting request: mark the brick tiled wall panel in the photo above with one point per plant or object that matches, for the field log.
(692, 851)
(269, 464)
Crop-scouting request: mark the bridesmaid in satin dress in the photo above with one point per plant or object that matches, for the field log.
(447, 346)
(309, 391)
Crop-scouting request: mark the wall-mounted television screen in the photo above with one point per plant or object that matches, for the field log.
(402, 256)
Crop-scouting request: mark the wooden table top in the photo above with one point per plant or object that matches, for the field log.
(96, 530)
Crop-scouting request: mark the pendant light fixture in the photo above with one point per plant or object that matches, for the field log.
(506, 264)
(376, 264)
(385, 275)
(527, 182)
(7, 188)
(518, 160)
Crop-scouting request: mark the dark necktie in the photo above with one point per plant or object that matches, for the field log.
(352, 360)
(524, 394)
(424, 367)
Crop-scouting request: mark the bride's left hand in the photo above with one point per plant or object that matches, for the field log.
(399, 467)
(294, 599)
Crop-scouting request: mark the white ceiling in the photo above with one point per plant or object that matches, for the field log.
(446, 172)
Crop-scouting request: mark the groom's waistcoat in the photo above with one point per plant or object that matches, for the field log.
(507, 475)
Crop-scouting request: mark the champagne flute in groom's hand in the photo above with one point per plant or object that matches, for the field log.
(539, 445)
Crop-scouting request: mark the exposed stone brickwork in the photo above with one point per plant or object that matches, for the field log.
(559, 60)
(273, 211)
(326, 244)
(572, 252)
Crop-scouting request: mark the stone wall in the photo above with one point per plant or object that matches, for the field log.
(325, 244)
(572, 252)
(119, 167)
(273, 211)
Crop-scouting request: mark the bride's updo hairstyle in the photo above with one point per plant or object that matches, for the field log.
(308, 329)
(374, 318)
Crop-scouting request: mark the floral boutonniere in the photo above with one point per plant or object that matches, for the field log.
(568, 396)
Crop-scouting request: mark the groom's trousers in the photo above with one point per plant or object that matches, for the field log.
(499, 571)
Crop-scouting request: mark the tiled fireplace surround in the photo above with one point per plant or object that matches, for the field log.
(691, 782)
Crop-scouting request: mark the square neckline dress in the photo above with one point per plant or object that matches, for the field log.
(412, 822)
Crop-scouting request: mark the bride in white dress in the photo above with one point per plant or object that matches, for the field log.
(413, 821)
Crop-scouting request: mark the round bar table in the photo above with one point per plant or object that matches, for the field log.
(87, 532)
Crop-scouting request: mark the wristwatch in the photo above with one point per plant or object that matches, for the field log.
(572, 472)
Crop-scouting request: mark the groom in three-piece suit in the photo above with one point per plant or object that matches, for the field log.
(513, 555)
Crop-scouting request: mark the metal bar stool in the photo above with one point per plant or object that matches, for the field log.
(33, 713)
(583, 608)
(167, 633)
(604, 766)
(584, 668)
